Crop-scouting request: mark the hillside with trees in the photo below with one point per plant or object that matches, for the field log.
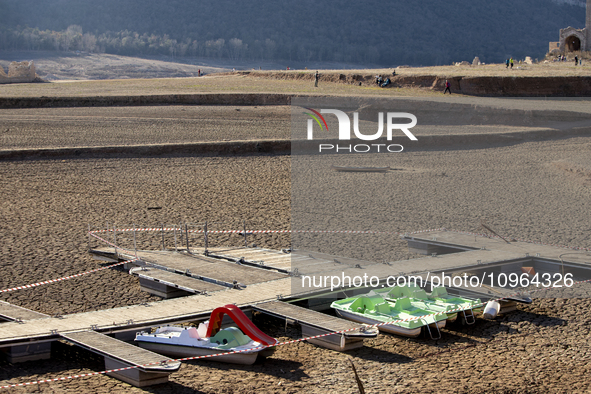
(386, 33)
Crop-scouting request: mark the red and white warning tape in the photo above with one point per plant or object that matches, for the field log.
(47, 282)
(95, 232)
(64, 278)
(167, 229)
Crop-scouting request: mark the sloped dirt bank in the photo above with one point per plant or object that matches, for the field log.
(568, 86)
(168, 99)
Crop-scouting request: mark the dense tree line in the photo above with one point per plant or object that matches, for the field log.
(386, 32)
(133, 44)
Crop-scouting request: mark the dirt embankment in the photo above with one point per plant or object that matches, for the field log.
(475, 86)
(167, 99)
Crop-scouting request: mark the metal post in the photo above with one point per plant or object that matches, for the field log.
(162, 236)
(187, 236)
(175, 248)
(88, 236)
(205, 237)
(245, 242)
(115, 239)
(134, 241)
(181, 234)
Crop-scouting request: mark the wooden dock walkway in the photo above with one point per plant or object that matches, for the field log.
(300, 315)
(471, 242)
(168, 284)
(209, 269)
(317, 323)
(152, 368)
(11, 312)
(23, 352)
(137, 317)
(256, 257)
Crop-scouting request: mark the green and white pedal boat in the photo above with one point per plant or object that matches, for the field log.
(373, 309)
(438, 301)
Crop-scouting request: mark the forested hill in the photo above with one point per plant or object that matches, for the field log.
(376, 32)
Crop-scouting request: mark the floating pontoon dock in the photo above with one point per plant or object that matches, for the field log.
(227, 279)
(151, 368)
(11, 312)
(316, 323)
(168, 284)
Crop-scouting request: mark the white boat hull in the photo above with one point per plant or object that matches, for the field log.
(179, 351)
(389, 328)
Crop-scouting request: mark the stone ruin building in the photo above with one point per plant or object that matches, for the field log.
(572, 39)
(18, 73)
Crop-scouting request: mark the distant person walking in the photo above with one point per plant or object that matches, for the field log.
(447, 87)
(507, 63)
(199, 72)
(316, 76)
(576, 60)
(511, 61)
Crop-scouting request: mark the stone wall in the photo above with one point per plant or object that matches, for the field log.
(583, 35)
(568, 33)
(18, 72)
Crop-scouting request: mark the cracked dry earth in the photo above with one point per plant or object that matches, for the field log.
(518, 189)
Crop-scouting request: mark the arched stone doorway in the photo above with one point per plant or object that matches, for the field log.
(572, 43)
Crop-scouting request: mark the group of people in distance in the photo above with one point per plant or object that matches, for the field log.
(509, 62)
(578, 61)
(562, 58)
(381, 82)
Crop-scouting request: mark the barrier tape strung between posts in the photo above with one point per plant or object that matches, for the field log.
(249, 232)
(32, 285)
(65, 277)
(180, 229)
(377, 325)
(94, 234)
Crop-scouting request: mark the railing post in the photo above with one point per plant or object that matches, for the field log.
(115, 239)
(175, 245)
(187, 236)
(134, 241)
(163, 236)
(205, 235)
(245, 242)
